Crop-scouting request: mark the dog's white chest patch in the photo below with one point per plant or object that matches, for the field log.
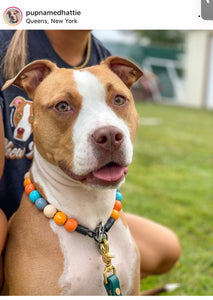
(83, 265)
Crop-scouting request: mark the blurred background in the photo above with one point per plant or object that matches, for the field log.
(178, 65)
(171, 178)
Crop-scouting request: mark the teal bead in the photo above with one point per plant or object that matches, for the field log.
(40, 203)
(34, 195)
(119, 196)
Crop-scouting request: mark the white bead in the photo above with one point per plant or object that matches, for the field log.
(27, 175)
(49, 211)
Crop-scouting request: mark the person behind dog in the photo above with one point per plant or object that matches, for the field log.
(159, 247)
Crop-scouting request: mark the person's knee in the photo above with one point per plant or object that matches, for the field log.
(159, 247)
(168, 255)
(163, 257)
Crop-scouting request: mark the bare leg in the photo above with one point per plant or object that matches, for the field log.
(159, 247)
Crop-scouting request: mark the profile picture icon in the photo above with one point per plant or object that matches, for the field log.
(13, 16)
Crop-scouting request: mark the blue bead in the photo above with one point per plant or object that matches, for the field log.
(119, 196)
(40, 203)
(34, 195)
(118, 190)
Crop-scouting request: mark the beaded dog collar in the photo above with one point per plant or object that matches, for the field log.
(71, 224)
(99, 234)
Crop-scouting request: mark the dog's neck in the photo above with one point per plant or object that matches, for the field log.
(88, 206)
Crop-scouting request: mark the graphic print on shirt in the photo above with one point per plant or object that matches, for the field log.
(21, 118)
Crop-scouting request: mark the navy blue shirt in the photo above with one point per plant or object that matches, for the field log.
(16, 110)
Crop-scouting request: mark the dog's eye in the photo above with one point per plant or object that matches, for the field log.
(120, 100)
(63, 107)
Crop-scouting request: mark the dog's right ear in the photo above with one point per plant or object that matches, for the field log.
(126, 70)
(31, 76)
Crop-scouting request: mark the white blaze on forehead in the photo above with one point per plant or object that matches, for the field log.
(95, 113)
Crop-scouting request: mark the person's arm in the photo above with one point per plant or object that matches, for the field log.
(2, 148)
(3, 219)
(3, 235)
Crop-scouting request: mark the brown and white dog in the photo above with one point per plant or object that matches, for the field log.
(22, 118)
(84, 124)
(13, 15)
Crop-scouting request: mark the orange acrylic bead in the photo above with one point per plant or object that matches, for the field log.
(115, 214)
(71, 225)
(27, 181)
(60, 218)
(29, 188)
(118, 205)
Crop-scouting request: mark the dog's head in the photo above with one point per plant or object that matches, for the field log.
(22, 118)
(84, 120)
(13, 15)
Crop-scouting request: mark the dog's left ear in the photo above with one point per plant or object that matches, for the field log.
(123, 68)
(31, 76)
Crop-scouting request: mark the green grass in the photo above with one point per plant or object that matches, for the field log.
(171, 181)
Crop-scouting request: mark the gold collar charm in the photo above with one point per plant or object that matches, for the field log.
(111, 282)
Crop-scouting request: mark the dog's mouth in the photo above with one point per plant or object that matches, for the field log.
(108, 175)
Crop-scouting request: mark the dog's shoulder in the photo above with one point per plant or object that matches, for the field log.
(32, 245)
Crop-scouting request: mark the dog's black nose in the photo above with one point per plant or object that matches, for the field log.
(108, 138)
